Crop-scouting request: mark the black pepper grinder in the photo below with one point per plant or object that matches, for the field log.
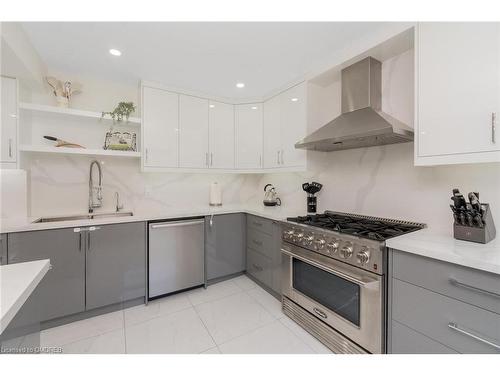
(311, 189)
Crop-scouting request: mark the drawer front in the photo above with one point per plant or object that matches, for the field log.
(260, 242)
(407, 341)
(260, 224)
(432, 314)
(259, 267)
(466, 284)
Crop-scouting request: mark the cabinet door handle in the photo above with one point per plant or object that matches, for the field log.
(80, 242)
(454, 326)
(147, 155)
(211, 159)
(493, 127)
(258, 243)
(10, 147)
(257, 224)
(260, 160)
(88, 241)
(258, 268)
(206, 159)
(460, 284)
(282, 159)
(278, 158)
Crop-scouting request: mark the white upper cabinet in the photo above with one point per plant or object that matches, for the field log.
(458, 93)
(160, 128)
(221, 135)
(193, 132)
(272, 132)
(248, 128)
(293, 125)
(8, 144)
(285, 124)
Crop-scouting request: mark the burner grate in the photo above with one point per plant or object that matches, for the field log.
(358, 225)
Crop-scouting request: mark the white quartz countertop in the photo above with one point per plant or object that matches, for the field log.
(485, 257)
(17, 282)
(26, 224)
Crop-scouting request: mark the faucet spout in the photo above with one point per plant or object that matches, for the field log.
(95, 192)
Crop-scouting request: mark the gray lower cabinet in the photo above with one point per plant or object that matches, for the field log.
(439, 307)
(3, 249)
(62, 290)
(91, 267)
(116, 264)
(225, 244)
(263, 251)
(408, 341)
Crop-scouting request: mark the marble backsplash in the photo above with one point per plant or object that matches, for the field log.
(379, 181)
(59, 185)
(382, 181)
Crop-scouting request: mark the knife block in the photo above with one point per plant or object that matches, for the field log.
(475, 234)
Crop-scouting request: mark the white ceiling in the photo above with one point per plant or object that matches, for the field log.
(205, 57)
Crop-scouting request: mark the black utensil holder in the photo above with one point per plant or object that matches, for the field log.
(311, 204)
(476, 234)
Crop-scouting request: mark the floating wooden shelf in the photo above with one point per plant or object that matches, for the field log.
(78, 151)
(132, 121)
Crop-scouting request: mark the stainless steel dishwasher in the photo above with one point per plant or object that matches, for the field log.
(176, 256)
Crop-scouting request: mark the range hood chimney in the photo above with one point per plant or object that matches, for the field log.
(362, 122)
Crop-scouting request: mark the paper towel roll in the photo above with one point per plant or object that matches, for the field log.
(215, 194)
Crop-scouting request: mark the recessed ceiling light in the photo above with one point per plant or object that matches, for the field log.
(212, 106)
(115, 52)
(254, 107)
(240, 85)
(295, 99)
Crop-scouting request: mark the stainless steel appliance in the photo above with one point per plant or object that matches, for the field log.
(270, 196)
(333, 277)
(362, 122)
(176, 256)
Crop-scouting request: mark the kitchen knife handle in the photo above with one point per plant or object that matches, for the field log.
(50, 138)
(493, 127)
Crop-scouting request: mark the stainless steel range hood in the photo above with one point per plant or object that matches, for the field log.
(362, 122)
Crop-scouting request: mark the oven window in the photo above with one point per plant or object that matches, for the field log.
(331, 291)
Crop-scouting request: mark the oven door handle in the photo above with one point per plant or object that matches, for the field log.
(341, 274)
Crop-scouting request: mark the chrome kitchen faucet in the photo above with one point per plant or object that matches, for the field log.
(95, 192)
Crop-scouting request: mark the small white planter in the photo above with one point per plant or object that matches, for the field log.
(62, 101)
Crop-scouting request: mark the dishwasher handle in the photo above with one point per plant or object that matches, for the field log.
(173, 224)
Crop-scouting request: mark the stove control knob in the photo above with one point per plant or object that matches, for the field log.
(308, 240)
(363, 256)
(346, 252)
(319, 243)
(332, 247)
(288, 234)
(298, 237)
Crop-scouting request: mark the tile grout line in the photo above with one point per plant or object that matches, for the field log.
(249, 332)
(206, 329)
(86, 337)
(157, 316)
(125, 331)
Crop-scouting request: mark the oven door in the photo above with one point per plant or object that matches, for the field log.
(347, 298)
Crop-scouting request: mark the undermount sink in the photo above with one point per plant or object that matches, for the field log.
(98, 215)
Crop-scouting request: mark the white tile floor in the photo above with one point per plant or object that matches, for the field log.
(234, 316)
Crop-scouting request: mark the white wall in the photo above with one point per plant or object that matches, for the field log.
(382, 181)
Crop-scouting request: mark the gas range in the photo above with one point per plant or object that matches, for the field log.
(354, 239)
(333, 275)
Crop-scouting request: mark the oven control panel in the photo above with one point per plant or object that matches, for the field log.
(360, 252)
